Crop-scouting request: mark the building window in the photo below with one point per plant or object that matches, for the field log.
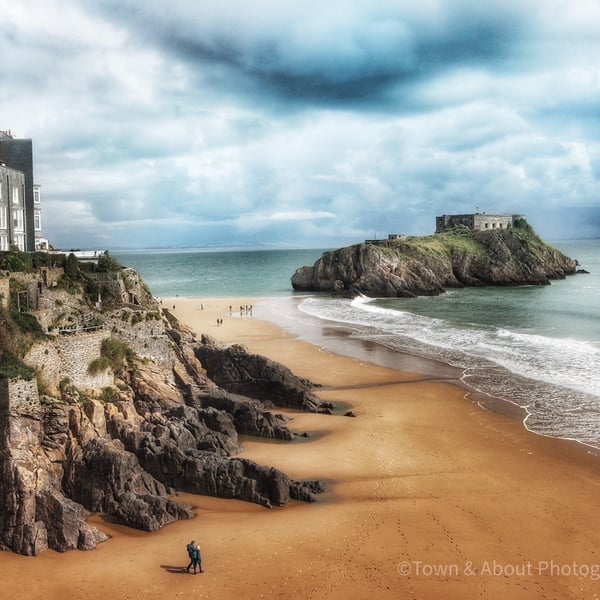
(36, 194)
(3, 223)
(37, 220)
(20, 242)
(4, 243)
(15, 195)
(18, 220)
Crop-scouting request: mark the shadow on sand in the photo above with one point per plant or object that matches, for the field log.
(173, 569)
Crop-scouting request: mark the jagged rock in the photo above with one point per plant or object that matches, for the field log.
(249, 417)
(177, 451)
(428, 265)
(241, 478)
(306, 490)
(65, 522)
(326, 408)
(154, 390)
(35, 514)
(110, 480)
(236, 370)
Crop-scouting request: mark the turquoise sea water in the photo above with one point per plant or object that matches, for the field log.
(537, 347)
(209, 274)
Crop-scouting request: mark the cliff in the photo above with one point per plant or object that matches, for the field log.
(134, 420)
(425, 266)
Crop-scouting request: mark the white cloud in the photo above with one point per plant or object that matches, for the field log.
(295, 216)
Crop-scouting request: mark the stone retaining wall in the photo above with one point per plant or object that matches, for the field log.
(147, 337)
(69, 356)
(19, 396)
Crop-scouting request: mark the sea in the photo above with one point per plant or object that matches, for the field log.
(534, 347)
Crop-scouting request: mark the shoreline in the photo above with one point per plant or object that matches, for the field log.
(422, 486)
(416, 363)
(336, 337)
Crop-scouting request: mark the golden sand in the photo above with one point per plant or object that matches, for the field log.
(428, 496)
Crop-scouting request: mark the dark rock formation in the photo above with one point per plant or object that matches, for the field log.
(429, 265)
(241, 478)
(249, 416)
(236, 370)
(109, 479)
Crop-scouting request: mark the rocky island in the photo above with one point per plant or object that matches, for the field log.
(109, 405)
(459, 256)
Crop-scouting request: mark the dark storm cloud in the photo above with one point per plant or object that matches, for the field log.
(338, 54)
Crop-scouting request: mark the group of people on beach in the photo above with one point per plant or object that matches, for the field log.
(245, 311)
(195, 557)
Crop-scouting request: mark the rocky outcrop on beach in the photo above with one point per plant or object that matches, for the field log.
(170, 422)
(237, 371)
(426, 266)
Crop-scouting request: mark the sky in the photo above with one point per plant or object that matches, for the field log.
(268, 123)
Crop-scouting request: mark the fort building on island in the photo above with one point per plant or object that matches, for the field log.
(476, 221)
(20, 199)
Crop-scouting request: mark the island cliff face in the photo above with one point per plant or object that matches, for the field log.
(125, 449)
(426, 266)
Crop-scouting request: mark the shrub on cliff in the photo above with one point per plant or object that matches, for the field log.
(27, 323)
(113, 354)
(18, 331)
(24, 262)
(16, 262)
(107, 264)
(71, 266)
(11, 366)
(522, 225)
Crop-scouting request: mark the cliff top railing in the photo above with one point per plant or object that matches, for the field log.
(76, 330)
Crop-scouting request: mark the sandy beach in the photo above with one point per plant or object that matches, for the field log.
(428, 496)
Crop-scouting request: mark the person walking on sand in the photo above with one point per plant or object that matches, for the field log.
(190, 550)
(197, 559)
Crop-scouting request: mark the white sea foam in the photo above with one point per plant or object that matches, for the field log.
(555, 379)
